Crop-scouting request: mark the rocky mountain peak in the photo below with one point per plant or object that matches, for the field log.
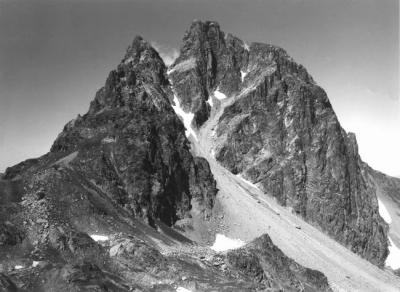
(123, 197)
(203, 35)
(275, 126)
(141, 51)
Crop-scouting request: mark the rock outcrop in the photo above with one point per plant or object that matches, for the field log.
(278, 129)
(262, 261)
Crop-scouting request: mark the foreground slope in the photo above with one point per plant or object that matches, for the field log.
(96, 212)
(277, 129)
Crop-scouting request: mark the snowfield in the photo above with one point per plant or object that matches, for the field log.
(219, 95)
(223, 243)
(97, 237)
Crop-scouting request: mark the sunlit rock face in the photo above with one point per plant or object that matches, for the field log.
(278, 129)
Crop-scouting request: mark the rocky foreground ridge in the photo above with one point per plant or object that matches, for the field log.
(99, 212)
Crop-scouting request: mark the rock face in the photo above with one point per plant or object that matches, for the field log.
(130, 144)
(208, 60)
(278, 129)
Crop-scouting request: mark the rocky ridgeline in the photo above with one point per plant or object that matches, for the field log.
(279, 131)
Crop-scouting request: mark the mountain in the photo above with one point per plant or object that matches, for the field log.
(124, 168)
(276, 128)
(231, 139)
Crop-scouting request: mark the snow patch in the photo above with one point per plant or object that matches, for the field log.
(187, 118)
(246, 46)
(210, 101)
(219, 95)
(393, 259)
(243, 74)
(384, 212)
(212, 153)
(182, 289)
(35, 264)
(97, 237)
(18, 267)
(223, 243)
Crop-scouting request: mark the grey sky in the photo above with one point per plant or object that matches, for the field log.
(54, 55)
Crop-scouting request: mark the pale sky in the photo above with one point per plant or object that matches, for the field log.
(55, 54)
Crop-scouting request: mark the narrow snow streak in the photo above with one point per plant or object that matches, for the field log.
(384, 212)
(223, 243)
(187, 118)
(219, 95)
(246, 181)
(210, 101)
(243, 74)
(97, 237)
(393, 259)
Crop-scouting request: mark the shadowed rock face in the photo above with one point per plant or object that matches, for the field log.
(130, 144)
(279, 130)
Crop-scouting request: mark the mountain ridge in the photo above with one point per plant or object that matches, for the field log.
(127, 171)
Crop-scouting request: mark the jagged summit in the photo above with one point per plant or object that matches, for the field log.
(140, 50)
(211, 61)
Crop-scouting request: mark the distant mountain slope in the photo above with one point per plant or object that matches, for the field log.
(278, 129)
